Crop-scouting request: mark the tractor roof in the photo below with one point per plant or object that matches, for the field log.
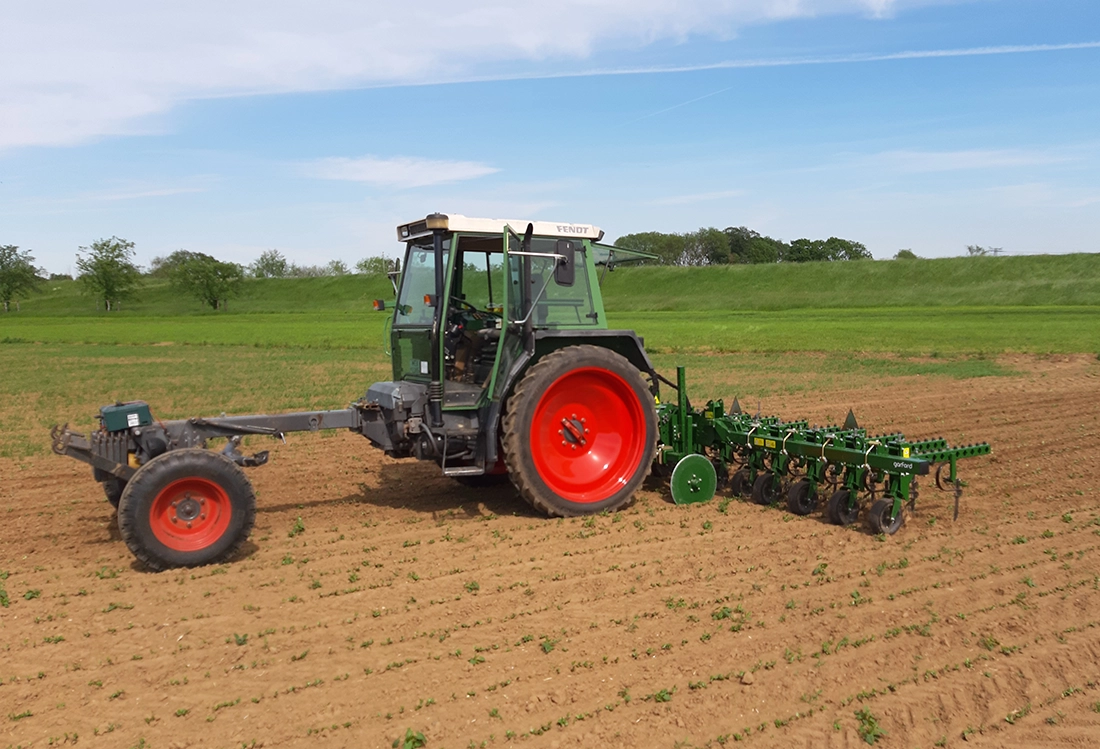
(458, 222)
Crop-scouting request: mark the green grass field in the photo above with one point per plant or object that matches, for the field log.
(314, 343)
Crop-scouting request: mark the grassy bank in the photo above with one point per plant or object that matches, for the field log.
(1038, 280)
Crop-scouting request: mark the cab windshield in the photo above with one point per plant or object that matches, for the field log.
(418, 281)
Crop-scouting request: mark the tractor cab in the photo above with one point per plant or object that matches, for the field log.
(473, 288)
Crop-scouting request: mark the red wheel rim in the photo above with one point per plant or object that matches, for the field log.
(588, 435)
(190, 514)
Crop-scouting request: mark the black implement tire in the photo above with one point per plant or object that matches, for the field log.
(838, 510)
(580, 432)
(802, 497)
(879, 517)
(113, 488)
(739, 482)
(766, 490)
(186, 508)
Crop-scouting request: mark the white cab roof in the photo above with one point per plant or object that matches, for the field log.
(458, 222)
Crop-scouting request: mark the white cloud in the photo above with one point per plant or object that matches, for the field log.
(401, 171)
(74, 70)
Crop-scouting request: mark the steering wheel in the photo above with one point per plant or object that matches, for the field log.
(463, 304)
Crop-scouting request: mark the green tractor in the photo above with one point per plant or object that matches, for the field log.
(503, 368)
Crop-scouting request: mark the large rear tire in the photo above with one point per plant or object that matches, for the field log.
(580, 431)
(186, 508)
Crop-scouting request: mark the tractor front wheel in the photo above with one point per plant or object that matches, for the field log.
(186, 508)
(580, 431)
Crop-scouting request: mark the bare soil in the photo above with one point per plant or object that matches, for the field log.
(411, 603)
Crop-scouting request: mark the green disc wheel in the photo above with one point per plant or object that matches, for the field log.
(693, 480)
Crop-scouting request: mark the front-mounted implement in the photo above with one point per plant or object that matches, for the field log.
(503, 369)
(771, 460)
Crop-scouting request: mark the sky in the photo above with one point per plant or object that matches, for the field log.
(315, 128)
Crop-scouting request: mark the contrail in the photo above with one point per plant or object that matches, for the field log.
(917, 54)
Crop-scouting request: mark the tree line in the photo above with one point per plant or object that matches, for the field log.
(107, 271)
(739, 244)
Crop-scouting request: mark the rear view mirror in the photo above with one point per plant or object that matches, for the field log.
(565, 272)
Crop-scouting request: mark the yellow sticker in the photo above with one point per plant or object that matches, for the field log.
(771, 443)
(905, 452)
(757, 441)
(708, 414)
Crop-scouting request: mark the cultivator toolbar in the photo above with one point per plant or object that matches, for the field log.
(769, 459)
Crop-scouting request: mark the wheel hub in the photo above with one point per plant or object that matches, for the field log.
(187, 509)
(573, 431)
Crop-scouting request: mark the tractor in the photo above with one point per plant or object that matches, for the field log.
(503, 368)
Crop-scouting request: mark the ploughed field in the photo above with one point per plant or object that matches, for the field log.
(377, 598)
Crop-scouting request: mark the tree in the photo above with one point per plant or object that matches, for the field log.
(845, 249)
(206, 278)
(107, 270)
(376, 266)
(337, 268)
(906, 255)
(740, 240)
(707, 246)
(17, 274)
(667, 247)
(271, 264)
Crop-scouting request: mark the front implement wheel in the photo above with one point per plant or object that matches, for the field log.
(802, 498)
(841, 510)
(580, 431)
(186, 508)
(880, 520)
(767, 489)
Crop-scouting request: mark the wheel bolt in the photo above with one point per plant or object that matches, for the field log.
(175, 504)
(574, 447)
(202, 501)
(564, 442)
(188, 524)
(175, 519)
(202, 516)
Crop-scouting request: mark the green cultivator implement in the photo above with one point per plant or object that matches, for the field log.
(504, 369)
(771, 460)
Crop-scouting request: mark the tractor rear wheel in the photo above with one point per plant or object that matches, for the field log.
(580, 431)
(766, 490)
(879, 517)
(802, 498)
(186, 508)
(838, 509)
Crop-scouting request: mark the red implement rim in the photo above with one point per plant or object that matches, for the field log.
(190, 514)
(588, 435)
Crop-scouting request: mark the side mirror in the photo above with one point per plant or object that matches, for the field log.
(565, 272)
(379, 305)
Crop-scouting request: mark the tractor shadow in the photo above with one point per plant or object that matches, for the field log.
(420, 487)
